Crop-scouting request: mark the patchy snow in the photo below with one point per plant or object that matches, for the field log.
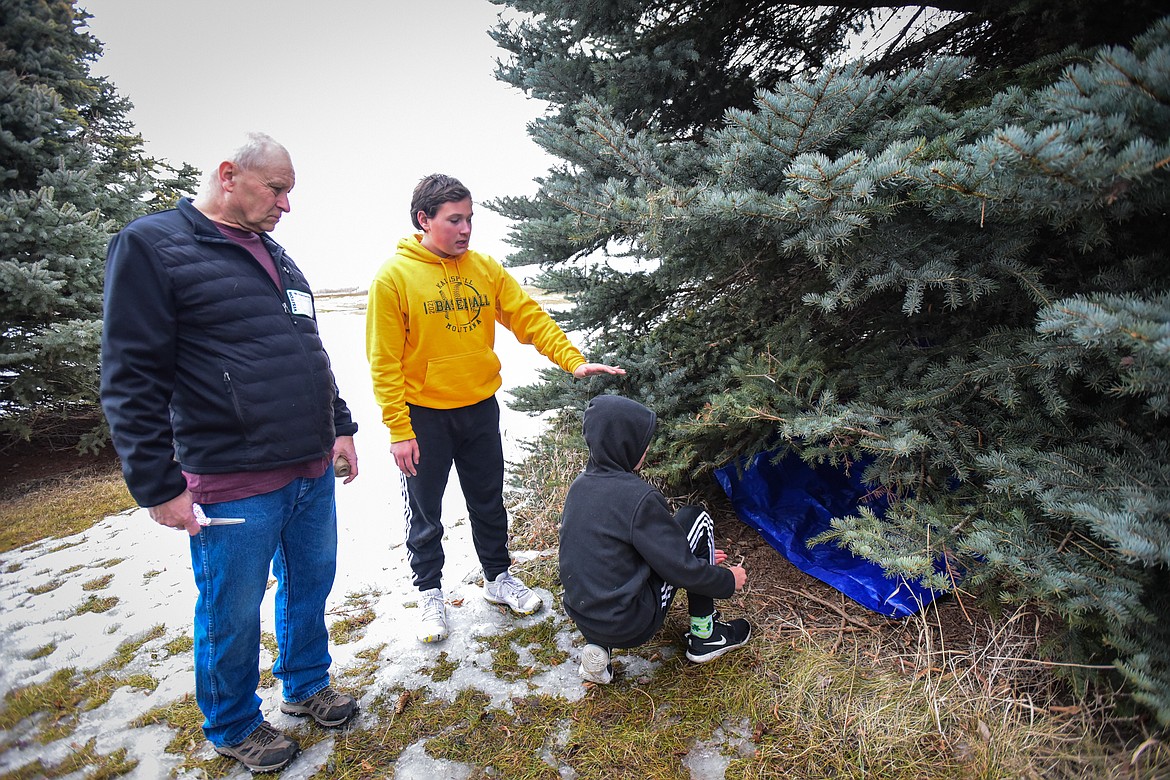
(151, 578)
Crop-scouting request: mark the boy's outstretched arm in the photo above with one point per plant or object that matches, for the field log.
(590, 369)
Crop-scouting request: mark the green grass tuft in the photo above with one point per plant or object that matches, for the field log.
(179, 645)
(95, 603)
(128, 650)
(538, 638)
(84, 758)
(358, 614)
(98, 583)
(443, 668)
(47, 587)
(42, 651)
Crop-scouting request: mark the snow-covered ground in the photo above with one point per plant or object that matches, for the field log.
(152, 581)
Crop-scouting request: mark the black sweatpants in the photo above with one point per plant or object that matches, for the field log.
(469, 437)
(701, 539)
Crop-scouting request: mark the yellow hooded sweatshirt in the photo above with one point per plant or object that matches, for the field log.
(431, 331)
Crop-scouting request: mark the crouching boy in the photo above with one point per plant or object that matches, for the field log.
(624, 554)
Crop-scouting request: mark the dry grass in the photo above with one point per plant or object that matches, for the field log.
(356, 613)
(792, 704)
(916, 699)
(538, 487)
(96, 604)
(1011, 713)
(61, 508)
(908, 700)
(98, 583)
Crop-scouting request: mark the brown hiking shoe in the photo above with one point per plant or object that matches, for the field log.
(327, 706)
(264, 750)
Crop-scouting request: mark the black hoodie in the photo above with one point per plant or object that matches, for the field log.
(619, 539)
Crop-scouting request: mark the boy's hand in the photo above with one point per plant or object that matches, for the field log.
(589, 369)
(720, 557)
(406, 456)
(740, 576)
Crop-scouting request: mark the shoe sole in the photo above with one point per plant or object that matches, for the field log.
(432, 638)
(532, 611)
(261, 770)
(592, 670)
(329, 724)
(589, 676)
(711, 656)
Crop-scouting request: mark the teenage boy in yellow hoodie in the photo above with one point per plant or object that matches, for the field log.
(430, 333)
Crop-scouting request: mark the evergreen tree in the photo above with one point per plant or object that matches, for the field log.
(676, 65)
(968, 301)
(71, 173)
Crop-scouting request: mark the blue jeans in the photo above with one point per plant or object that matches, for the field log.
(295, 530)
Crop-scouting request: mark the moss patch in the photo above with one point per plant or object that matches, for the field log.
(443, 668)
(539, 639)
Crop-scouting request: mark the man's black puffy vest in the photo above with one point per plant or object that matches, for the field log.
(203, 358)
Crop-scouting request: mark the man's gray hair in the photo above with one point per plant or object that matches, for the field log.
(256, 150)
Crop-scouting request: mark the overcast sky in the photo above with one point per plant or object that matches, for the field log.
(369, 96)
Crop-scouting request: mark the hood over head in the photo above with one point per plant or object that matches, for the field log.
(618, 431)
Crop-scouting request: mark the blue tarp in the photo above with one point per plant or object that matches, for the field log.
(790, 502)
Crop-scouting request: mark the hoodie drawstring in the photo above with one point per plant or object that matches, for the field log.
(455, 294)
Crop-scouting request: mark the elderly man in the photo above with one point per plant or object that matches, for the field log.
(225, 412)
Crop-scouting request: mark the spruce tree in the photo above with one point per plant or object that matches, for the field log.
(676, 65)
(71, 172)
(967, 301)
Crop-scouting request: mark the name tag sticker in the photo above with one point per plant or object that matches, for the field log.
(301, 303)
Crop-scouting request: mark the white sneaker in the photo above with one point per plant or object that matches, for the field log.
(595, 665)
(506, 589)
(432, 625)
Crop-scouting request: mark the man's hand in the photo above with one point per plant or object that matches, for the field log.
(590, 369)
(740, 576)
(343, 447)
(177, 513)
(406, 456)
(720, 557)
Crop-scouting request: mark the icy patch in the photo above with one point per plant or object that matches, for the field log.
(559, 739)
(308, 763)
(416, 764)
(707, 759)
(469, 617)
